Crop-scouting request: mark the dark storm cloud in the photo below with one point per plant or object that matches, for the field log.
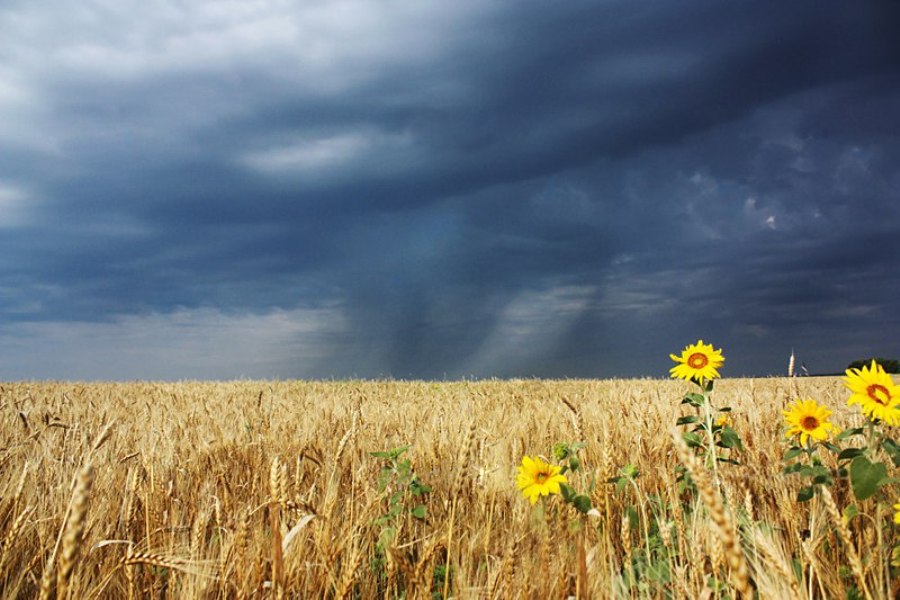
(451, 190)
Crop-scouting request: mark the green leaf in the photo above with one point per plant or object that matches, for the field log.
(686, 420)
(823, 479)
(813, 471)
(568, 493)
(417, 488)
(391, 454)
(893, 450)
(848, 432)
(848, 453)
(574, 463)
(865, 477)
(794, 468)
(805, 494)
(386, 537)
(632, 517)
(419, 512)
(834, 449)
(730, 438)
(692, 440)
(630, 471)
(582, 503)
(850, 512)
(793, 453)
(695, 400)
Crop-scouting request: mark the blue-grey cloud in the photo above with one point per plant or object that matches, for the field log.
(465, 189)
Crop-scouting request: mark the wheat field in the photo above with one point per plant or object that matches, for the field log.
(256, 489)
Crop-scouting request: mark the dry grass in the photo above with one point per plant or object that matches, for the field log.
(267, 490)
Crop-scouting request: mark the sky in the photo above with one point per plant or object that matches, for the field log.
(442, 190)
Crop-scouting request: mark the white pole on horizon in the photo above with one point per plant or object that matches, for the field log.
(791, 364)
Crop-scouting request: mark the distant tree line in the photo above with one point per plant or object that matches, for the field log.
(890, 365)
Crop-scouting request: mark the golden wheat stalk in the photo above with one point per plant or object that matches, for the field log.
(775, 559)
(719, 514)
(844, 534)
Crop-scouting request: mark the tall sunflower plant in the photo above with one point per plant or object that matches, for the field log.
(808, 428)
(878, 398)
(709, 430)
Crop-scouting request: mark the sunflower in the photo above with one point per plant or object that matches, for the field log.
(875, 392)
(724, 421)
(897, 513)
(698, 361)
(809, 420)
(537, 478)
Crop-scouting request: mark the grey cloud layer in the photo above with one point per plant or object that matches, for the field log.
(469, 189)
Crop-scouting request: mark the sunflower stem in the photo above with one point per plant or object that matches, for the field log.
(870, 438)
(711, 441)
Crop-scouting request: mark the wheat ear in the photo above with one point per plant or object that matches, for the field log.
(465, 458)
(502, 582)
(10, 538)
(74, 529)
(577, 419)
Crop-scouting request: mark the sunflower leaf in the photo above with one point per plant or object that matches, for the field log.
(582, 503)
(390, 454)
(851, 511)
(692, 440)
(794, 468)
(574, 463)
(866, 477)
(805, 494)
(417, 488)
(730, 438)
(687, 419)
(793, 453)
(695, 400)
(850, 453)
(567, 492)
(834, 449)
(893, 450)
(630, 471)
(848, 432)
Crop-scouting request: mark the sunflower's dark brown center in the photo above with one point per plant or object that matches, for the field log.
(542, 476)
(879, 394)
(697, 360)
(809, 422)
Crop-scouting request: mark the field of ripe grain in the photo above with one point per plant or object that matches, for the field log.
(268, 489)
